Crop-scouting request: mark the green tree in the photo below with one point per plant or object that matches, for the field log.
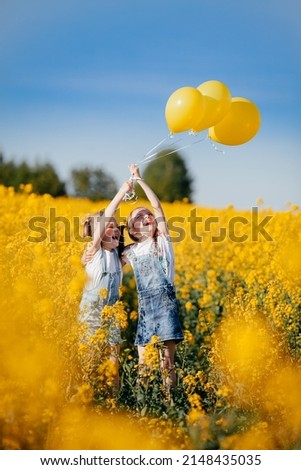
(46, 180)
(94, 184)
(7, 171)
(43, 177)
(168, 176)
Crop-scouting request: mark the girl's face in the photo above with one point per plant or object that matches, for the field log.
(111, 236)
(143, 223)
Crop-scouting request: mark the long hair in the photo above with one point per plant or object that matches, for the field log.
(88, 228)
(88, 231)
(120, 247)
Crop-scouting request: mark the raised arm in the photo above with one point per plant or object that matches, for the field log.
(101, 222)
(153, 199)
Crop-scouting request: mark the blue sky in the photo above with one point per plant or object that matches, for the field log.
(87, 81)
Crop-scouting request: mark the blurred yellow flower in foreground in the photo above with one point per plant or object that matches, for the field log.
(77, 428)
(245, 352)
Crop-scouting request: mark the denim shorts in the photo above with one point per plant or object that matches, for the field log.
(158, 315)
(90, 313)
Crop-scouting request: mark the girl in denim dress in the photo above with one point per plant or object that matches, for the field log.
(152, 259)
(104, 273)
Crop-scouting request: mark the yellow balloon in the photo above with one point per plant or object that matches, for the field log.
(217, 103)
(239, 125)
(183, 109)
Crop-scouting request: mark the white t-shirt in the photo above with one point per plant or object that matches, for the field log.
(164, 249)
(94, 268)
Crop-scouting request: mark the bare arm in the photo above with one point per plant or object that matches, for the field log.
(100, 222)
(153, 199)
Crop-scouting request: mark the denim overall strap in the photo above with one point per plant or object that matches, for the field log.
(113, 279)
(118, 269)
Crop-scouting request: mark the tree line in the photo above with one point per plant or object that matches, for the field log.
(168, 176)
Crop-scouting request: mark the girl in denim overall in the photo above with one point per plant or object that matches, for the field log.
(152, 259)
(104, 273)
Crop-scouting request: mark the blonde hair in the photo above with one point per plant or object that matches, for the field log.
(130, 224)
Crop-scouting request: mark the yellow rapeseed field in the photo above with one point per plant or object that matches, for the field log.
(238, 281)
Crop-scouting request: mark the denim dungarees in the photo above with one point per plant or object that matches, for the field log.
(92, 301)
(157, 303)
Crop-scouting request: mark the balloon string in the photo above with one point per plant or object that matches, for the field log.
(150, 157)
(215, 147)
(160, 143)
(132, 195)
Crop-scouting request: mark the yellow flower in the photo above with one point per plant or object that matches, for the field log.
(195, 401)
(133, 315)
(188, 337)
(189, 306)
(84, 394)
(107, 372)
(26, 188)
(151, 354)
(103, 292)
